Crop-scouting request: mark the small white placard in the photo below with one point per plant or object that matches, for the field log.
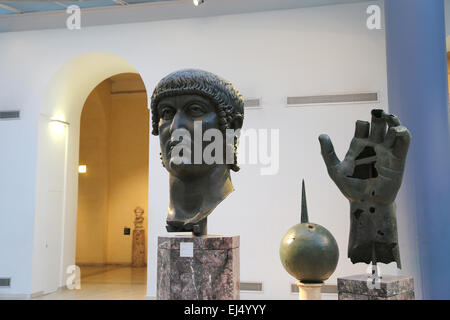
(187, 249)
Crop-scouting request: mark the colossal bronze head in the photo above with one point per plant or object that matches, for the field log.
(197, 116)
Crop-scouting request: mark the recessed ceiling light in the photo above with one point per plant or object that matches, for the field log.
(198, 2)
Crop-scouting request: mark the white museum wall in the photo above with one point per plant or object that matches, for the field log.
(269, 55)
(50, 210)
(61, 96)
(17, 166)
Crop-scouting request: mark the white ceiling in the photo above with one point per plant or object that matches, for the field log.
(32, 6)
(141, 11)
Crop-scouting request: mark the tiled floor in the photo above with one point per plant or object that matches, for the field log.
(106, 283)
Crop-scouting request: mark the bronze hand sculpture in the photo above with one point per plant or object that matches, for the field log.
(192, 101)
(370, 177)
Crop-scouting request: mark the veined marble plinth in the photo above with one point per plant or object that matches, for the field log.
(139, 259)
(389, 288)
(211, 274)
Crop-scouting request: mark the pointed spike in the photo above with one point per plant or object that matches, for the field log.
(304, 218)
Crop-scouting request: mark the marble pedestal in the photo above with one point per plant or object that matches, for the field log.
(389, 288)
(212, 273)
(139, 259)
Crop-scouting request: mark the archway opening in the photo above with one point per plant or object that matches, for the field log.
(113, 186)
(55, 229)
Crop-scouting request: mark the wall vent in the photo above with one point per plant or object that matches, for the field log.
(368, 97)
(5, 282)
(327, 288)
(252, 103)
(252, 286)
(9, 115)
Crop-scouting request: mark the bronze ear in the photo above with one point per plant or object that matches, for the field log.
(237, 122)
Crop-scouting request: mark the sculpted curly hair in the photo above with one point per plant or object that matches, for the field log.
(228, 101)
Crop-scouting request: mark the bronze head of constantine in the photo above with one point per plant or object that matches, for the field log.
(197, 116)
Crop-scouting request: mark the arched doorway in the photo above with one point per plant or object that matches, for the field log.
(112, 185)
(55, 228)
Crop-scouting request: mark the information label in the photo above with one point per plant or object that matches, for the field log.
(187, 249)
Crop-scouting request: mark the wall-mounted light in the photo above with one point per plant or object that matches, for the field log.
(82, 168)
(198, 2)
(60, 121)
(58, 126)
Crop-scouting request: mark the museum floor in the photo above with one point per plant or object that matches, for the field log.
(106, 283)
(119, 283)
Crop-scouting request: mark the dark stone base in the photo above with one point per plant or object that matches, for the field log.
(389, 288)
(211, 274)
